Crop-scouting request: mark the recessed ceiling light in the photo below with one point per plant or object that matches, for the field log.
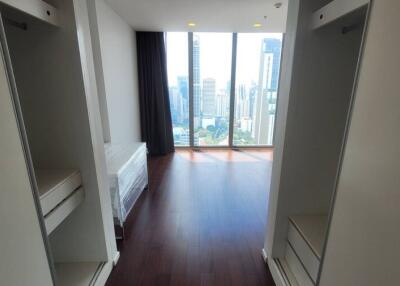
(257, 25)
(278, 5)
(191, 24)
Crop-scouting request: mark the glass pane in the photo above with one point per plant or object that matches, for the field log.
(212, 55)
(257, 78)
(178, 81)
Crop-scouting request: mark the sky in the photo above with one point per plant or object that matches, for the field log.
(216, 56)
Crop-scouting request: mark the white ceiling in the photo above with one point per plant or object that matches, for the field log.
(209, 15)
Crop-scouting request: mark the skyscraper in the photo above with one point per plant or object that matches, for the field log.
(196, 82)
(242, 108)
(267, 89)
(222, 104)
(174, 100)
(183, 86)
(209, 94)
(273, 47)
(252, 99)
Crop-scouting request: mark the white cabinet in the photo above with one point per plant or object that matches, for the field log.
(24, 260)
(325, 44)
(56, 183)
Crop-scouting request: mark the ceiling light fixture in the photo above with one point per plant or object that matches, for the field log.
(257, 25)
(191, 24)
(278, 5)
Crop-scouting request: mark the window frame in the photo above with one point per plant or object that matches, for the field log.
(232, 99)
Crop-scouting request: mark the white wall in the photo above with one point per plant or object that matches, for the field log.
(119, 66)
(363, 245)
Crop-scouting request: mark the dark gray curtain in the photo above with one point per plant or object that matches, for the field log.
(155, 112)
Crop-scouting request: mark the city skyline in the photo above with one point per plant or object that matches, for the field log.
(179, 52)
(255, 102)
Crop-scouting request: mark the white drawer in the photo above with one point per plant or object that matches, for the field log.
(304, 252)
(297, 269)
(63, 210)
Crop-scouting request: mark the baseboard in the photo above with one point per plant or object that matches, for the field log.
(276, 270)
(116, 258)
(264, 255)
(103, 273)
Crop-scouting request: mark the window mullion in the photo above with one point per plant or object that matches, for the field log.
(232, 92)
(191, 90)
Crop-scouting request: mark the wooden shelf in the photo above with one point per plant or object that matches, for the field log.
(335, 10)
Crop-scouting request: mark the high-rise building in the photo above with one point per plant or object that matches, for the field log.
(267, 88)
(222, 104)
(196, 82)
(209, 94)
(273, 47)
(175, 103)
(240, 92)
(183, 86)
(242, 108)
(245, 124)
(252, 99)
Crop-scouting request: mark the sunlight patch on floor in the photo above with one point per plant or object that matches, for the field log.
(210, 156)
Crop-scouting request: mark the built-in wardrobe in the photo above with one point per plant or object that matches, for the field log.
(320, 68)
(55, 207)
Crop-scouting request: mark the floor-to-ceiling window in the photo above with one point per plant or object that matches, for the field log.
(257, 75)
(178, 80)
(212, 56)
(219, 102)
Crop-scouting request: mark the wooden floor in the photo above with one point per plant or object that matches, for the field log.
(202, 222)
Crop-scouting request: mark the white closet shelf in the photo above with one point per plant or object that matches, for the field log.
(63, 210)
(77, 273)
(335, 10)
(60, 193)
(55, 186)
(36, 8)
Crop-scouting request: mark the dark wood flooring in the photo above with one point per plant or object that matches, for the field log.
(202, 221)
